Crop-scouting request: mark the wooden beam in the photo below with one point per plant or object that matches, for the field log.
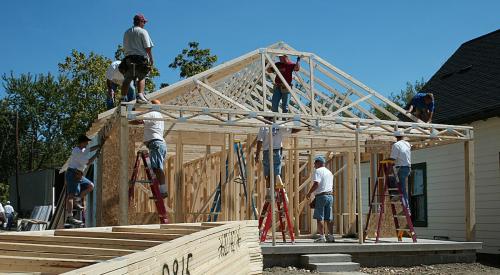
(296, 183)
(43, 265)
(311, 84)
(124, 169)
(350, 193)
(358, 189)
(179, 214)
(221, 95)
(470, 191)
(117, 235)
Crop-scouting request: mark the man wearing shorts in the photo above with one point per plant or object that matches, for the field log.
(323, 194)
(138, 57)
(77, 185)
(153, 138)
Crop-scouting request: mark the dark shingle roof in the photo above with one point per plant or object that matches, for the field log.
(467, 86)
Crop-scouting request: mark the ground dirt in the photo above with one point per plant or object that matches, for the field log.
(441, 269)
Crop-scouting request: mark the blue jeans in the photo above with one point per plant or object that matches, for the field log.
(276, 162)
(323, 208)
(110, 102)
(157, 153)
(403, 173)
(284, 96)
(76, 185)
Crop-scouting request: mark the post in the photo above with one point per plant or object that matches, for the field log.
(350, 192)
(264, 86)
(296, 185)
(18, 197)
(179, 182)
(123, 188)
(231, 207)
(223, 178)
(311, 83)
(358, 187)
(271, 177)
(470, 192)
(313, 226)
(250, 176)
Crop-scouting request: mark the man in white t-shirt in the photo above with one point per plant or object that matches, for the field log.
(9, 214)
(153, 138)
(3, 218)
(114, 79)
(323, 195)
(263, 144)
(401, 154)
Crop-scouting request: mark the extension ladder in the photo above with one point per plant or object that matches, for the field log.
(395, 194)
(280, 198)
(153, 182)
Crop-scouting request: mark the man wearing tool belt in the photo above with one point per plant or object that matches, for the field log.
(323, 195)
(138, 58)
(401, 155)
(280, 92)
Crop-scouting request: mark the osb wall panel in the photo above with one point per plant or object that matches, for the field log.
(110, 177)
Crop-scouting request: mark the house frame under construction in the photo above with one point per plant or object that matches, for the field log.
(339, 117)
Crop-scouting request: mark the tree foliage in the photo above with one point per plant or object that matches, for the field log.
(193, 60)
(402, 98)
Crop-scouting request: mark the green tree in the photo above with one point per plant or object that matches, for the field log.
(193, 60)
(402, 98)
(150, 85)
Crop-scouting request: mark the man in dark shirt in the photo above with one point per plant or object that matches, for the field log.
(422, 106)
(280, 92)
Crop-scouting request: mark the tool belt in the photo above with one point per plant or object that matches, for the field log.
(282, 87)
(325, 193)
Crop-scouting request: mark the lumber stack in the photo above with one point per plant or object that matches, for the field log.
(194, 248)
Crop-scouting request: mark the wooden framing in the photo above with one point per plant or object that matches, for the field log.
(230, 248)
(231, 102)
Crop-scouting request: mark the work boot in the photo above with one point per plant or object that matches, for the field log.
(330, 238)
(321, 239)
(141, 99)
(73, 220)
(78, 206)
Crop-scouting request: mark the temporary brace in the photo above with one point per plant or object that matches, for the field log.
(387, 169)
(280, 197)
(153, 182)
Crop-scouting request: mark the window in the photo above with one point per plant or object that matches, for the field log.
(417, 189)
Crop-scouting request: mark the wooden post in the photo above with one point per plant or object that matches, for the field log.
(358, 188)
(311, 83)
(342, 195)
(470, 192)
(350, 192)
(271, 176)
(250, 176)
(264, 86)
(230, 181)
(179, 182)
(223, 178)
(123, 188)
(312, 222)
(296, 185)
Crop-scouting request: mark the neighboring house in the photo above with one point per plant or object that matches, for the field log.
(467, 92)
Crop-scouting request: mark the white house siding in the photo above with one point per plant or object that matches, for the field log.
(445, 187)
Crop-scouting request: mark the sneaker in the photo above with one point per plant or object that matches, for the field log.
(330, 238)
(395, 198)
(77, 206)
(73, 220)
(321, 239)
(164, 195)
(141, 99)
(124, 99)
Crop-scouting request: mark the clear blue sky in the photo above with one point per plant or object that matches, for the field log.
(382, 43)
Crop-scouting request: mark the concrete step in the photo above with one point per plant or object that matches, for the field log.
(324, 258)
(334, 267)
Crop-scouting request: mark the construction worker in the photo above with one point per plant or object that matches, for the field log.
(138, 57)
(77, 186)
(323, 199)
(401, 155)
(3, 217)
(263, 143)
(153, 138)
(9, 214)
(280, 92)
(114, 78)
(422, 106)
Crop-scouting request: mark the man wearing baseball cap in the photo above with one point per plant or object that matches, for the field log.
(323, 195)
(280, 92)
(138, 57)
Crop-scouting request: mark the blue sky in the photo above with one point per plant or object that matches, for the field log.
(382, 43)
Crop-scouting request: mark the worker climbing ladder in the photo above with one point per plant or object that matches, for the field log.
(282, 210)
(392, 189)
(153, 182)
(216, 205)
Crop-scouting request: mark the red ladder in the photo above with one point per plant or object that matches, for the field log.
(280, 198)
(154, 184)
(386, 168)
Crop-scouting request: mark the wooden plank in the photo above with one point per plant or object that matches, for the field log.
(124, 169)
(470, 192)
(179, 182)
(117, 235)
(44, 265)
(63, 249)
(358, 189)
(221, 95)
(179, 231)
(32, 254)
(296, 183)
(350, 193)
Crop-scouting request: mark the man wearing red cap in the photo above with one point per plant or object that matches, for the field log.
(138, 57)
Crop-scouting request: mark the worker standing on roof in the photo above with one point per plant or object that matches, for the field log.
(77, 185)
(422, 106)
(401, 154)
(138, 59)
(114, 78)
(9, 214)
(323, 199)
(280, 92)
(153, 138)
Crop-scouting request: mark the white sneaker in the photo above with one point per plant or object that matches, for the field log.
(73, 220)
(141, 99)
(330, 238)
(321, 239)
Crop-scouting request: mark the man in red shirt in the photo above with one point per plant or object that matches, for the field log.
(280, 92)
